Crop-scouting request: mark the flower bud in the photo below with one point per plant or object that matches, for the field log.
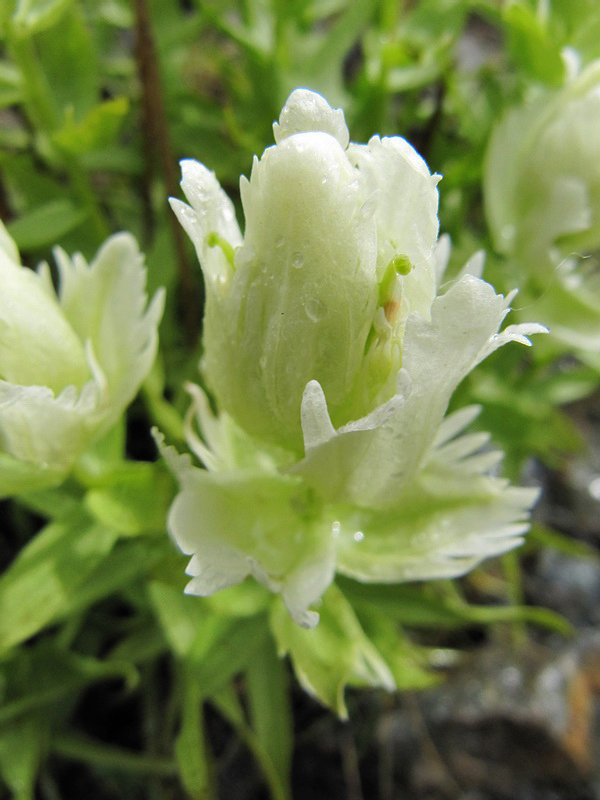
(69, 363)
(337, 251)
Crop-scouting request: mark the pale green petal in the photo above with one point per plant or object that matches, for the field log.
(21, 476)
(106, 305)
(453, 515)
(305, 274)
(570, 305)
(542, 172)
(434, 536)
(211, 213)
(307, 111)
(240, 523)
(371, 465)
(220, 444)
(8, 245)
(38, 346)
(45, 432)
(406, 204)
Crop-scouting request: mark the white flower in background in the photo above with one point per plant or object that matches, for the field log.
(542, 200)
(333, 361)
(69, 363)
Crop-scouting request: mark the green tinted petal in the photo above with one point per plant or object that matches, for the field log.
(369, 462)
(237, 523)
(106, 304)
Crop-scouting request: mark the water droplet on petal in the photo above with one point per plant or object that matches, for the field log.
(336, 528)
(359, 536)
(315, 309)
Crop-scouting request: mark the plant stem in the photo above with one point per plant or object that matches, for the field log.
(91, 751)
(156, 130)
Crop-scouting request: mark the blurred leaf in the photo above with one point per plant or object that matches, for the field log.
(44, 225)
(42, 584)
(180, 616)
(10, 85)
(531, 45)
(134, 498)
(69, 63)
(97, 753)
(229, 653)
(419, 606)
(228, 703)
(32, 16)
(408, 663)
(544, 536)
(267, 687)
(22, 743)
(191, 751)
(437, 605)
(97, 129)
(45, 675)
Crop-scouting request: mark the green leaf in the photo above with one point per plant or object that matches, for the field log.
(180, 616)
(229, 653)
(10, 85)
(42, 585)
(191, 752)
(135, 500)
(44, 225)
(228, 703)
(21, 747)
(45, 676)
(267, 686)
(531, 46)
(97, 129)
(334, 654)
(408, 662)
(33, 16)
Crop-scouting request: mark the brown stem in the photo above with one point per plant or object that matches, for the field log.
(158, 141)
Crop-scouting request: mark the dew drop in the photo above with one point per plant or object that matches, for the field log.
(359, 536)
(315, 309)
(297, 260)
(279, 242)
(336, 528)
(368, 209)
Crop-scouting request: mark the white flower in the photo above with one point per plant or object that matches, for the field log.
(337, 251)
(542, 172)
(542, 199)
(69, 363)
(395, 492)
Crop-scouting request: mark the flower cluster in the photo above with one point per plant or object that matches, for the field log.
(332, 351)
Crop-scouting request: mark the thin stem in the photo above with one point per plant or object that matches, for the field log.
(156, 130)
(92, 751)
